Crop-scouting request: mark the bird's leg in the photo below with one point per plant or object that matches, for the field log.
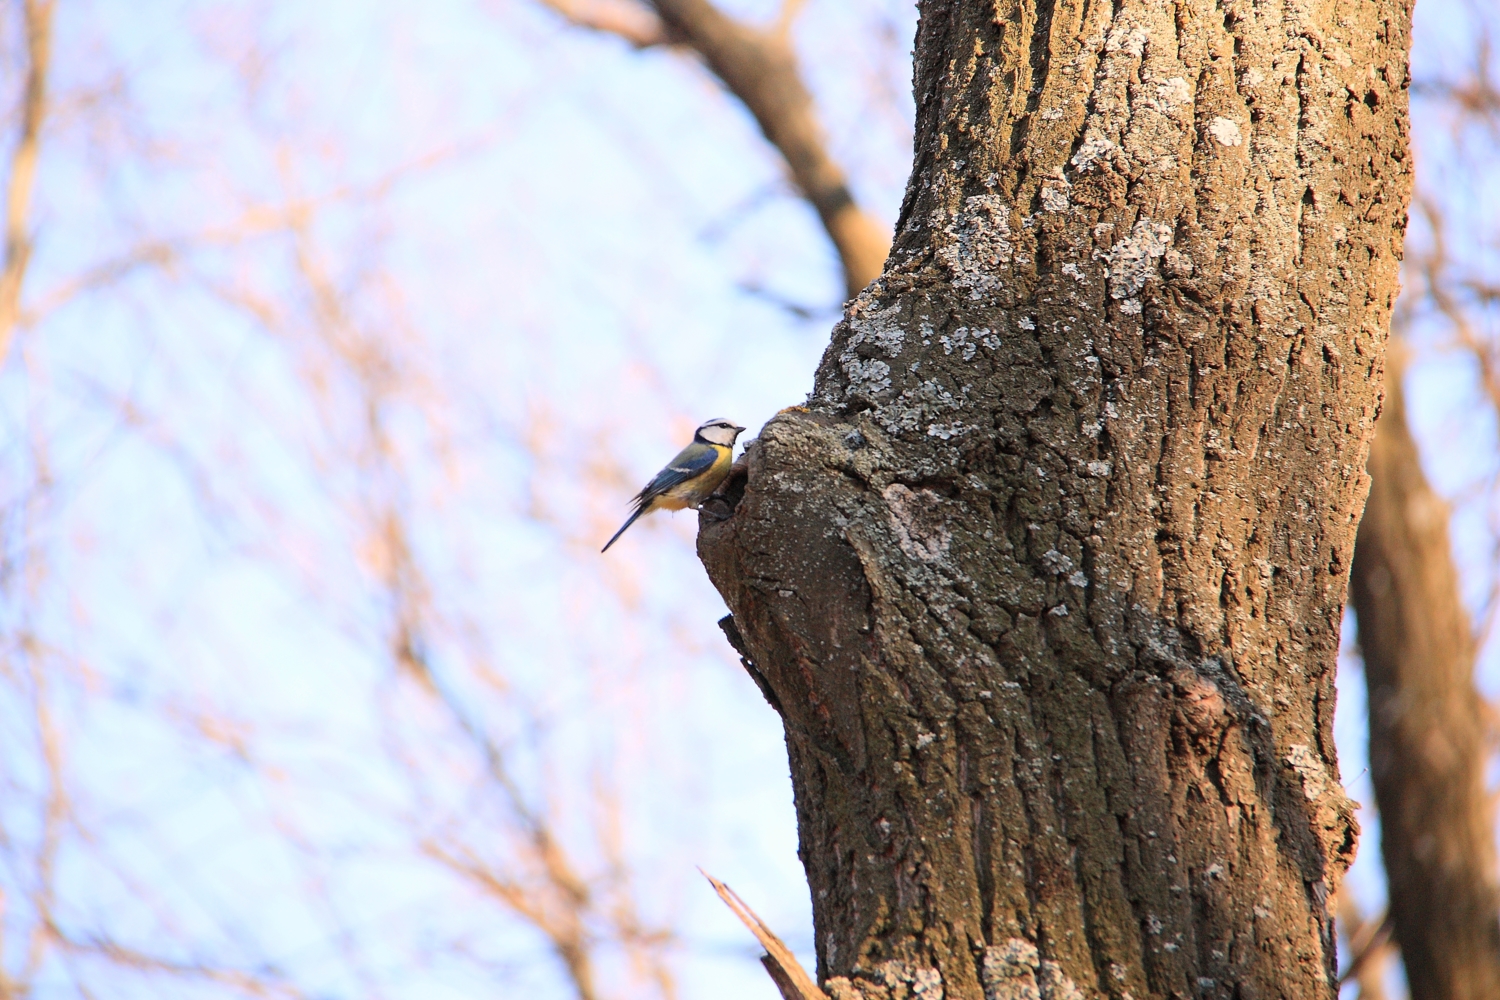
(715, 512)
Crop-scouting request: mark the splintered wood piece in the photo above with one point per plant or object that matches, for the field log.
(786, 972)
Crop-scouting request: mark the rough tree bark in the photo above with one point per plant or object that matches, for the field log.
(1428, 739)
(1046, 580)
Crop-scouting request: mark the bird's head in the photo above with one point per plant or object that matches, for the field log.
(718, 431)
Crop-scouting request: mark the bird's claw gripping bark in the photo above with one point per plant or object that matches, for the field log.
(716, 507)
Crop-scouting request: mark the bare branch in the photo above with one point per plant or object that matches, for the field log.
(1369, 948)
(38, 15)
(786, 17)
(760, 68)
(558, 915)
(1427, 732)
(624, 18)
(790, 978)
(1474, 96)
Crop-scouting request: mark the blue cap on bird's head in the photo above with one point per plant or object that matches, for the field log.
(718, 431)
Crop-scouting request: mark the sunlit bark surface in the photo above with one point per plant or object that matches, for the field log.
(1046, 580)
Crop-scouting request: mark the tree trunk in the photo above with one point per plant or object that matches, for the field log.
(1046, 579)
(1427, 731)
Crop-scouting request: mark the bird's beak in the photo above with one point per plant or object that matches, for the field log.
(738, 428)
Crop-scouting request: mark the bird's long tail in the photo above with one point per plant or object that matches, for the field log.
(638, 512)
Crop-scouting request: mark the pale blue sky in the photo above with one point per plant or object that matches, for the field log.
(543, 244)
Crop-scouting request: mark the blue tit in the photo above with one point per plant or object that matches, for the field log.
(692, 476)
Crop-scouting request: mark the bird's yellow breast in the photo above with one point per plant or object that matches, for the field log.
(696, 490)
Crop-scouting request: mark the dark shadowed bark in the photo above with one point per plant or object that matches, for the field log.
(1046, 580)
(1428, 744)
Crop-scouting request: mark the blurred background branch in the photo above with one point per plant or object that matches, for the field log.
(759, 67)
(334, 345)
(37, 25)
(1431, 734)
(1428, 739)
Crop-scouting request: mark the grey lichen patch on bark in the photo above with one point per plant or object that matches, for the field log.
(918, 522)
(1047, 577)
(889, 981)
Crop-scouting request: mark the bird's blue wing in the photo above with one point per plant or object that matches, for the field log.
(691, 462)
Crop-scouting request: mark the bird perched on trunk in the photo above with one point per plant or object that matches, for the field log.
(689, 478)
